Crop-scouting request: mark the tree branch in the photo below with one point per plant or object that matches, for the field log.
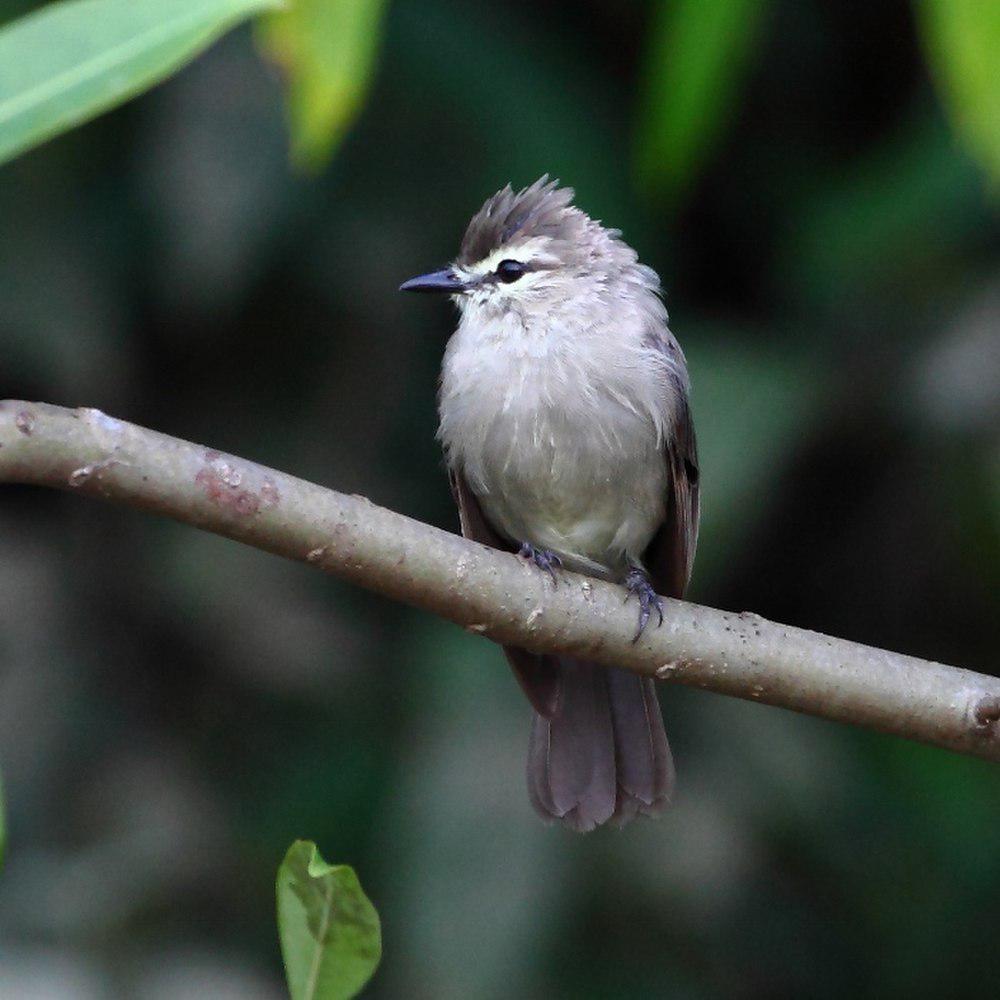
(493, 593)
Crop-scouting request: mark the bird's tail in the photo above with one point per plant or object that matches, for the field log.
(602, 753)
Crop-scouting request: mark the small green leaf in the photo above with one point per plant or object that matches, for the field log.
(962, 38)
(327, 50)
(68, 62)
(331, 939)
(695, 60)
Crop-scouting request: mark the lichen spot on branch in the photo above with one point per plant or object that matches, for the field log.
(224, 485)
(25, 422)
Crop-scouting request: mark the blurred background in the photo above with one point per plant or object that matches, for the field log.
(175, 709)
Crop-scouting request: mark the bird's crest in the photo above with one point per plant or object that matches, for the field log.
(509, 218)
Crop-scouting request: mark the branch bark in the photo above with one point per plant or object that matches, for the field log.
(492, 593)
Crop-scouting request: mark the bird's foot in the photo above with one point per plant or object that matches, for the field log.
(637, 583)
(542, 558)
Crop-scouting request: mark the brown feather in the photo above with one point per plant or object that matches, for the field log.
(669, 556)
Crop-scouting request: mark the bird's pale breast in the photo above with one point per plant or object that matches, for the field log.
(562, 446)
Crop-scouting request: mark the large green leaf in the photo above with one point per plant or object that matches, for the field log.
(331, 939)
(695, 59)
(327, 50)
(962, 38)
(11, 9)
(68, 62)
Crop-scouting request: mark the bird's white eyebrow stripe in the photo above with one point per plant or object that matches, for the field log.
(531, 254)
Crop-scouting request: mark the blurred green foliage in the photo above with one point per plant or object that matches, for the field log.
(327, 49)
(695, 61)
(963, 39)
(174, 708)
(330, 935)
(69, 62)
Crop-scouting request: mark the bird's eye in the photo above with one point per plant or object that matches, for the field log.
(510, 270)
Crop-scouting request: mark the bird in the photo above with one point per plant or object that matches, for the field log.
(565, 421)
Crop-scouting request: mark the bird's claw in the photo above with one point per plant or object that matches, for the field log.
(636, 582)
(542, 558)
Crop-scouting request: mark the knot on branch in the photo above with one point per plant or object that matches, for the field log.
(986, 712)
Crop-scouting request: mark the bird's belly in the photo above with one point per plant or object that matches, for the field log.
(593, 495)
(560, 443)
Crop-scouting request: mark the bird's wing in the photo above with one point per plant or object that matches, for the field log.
(669, 556)
(537, 674)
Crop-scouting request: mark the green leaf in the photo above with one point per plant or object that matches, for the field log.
(331, 939)
(962, 39)
(327, 50)
(696, 57)
(11, 9)
(68, 62)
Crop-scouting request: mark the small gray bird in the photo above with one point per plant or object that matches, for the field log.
(568, 438)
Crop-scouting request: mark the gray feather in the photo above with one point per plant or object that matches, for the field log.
(543, 209)
(644, 764)
(571, 756)
(670, 554)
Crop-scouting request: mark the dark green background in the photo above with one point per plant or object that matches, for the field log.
(176, 709)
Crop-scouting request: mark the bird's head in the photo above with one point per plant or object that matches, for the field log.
(531, 252)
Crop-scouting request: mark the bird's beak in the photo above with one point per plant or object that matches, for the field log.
(446, 281)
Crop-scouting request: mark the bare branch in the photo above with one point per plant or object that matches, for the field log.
(492, 593)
